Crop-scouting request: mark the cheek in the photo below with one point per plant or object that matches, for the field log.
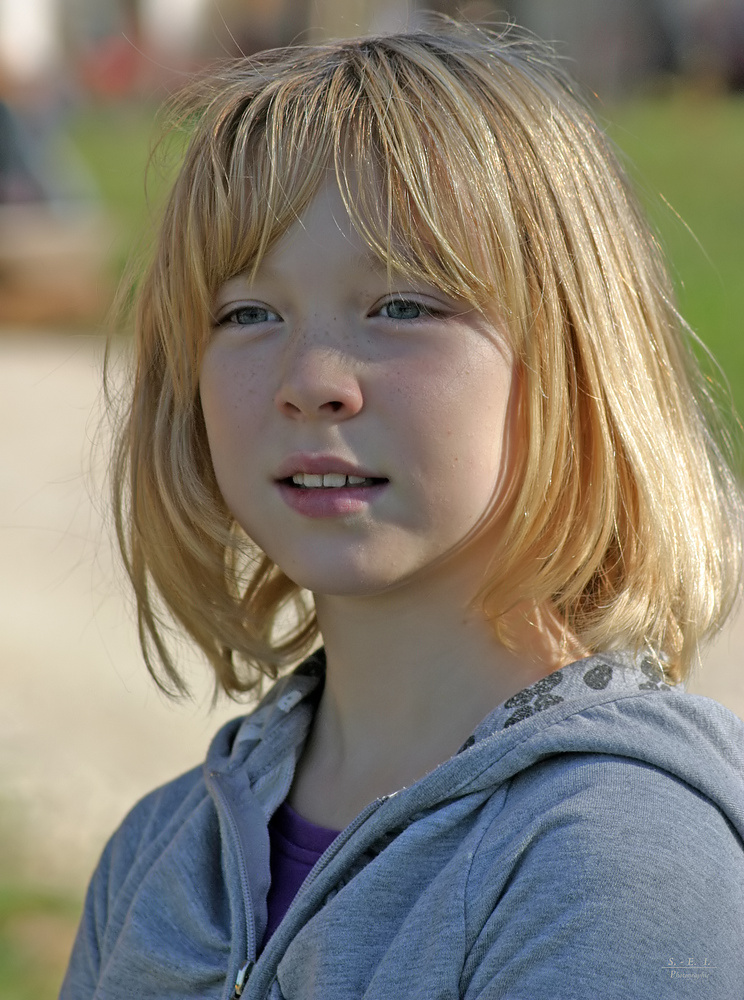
(229, 399)
(473, 412)
(229, 402)
(487, 437)
(456, 432)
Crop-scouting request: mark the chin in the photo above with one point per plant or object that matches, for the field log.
(342, 584)
(344, 578)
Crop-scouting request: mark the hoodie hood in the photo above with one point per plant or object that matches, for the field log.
(608, 703)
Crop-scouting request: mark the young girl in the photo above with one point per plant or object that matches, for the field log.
(409, 377)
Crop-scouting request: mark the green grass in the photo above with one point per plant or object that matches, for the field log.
(36, 933)
(687, 152)
(116, 144)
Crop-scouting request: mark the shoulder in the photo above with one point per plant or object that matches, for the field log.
(617, 809)
(158, 812)
(598, 871)
(615, 805)
(145, 833)
(609, 708)
(150, 826)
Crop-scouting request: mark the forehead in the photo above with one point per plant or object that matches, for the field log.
(324, 230)
(417, 206)
(323, 259)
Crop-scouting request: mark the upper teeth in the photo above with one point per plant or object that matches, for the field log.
(327, 479)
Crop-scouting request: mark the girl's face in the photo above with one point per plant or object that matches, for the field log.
(359, 427)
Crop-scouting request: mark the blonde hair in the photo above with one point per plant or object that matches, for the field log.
(480, 170)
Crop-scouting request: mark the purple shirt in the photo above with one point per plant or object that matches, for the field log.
(296, 845)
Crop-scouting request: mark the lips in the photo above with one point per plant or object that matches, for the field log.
(323, 486)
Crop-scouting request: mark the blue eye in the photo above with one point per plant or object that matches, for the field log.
(404, 309)
(249, 315)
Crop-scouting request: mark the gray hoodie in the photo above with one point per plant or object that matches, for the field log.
(585, 842)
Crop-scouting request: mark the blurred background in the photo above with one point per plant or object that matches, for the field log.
(83, 733)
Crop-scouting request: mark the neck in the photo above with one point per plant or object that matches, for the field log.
(409, 677)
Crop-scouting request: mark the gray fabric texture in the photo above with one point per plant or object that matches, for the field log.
(585, 842)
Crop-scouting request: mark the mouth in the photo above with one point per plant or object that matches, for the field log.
(329, 481)
(322, 488)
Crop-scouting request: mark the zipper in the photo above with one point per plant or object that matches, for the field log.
(330, 852)
(245, 971)
(341, 840)
(250, 920)
(241, 980)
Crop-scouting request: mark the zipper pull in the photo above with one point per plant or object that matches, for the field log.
(241, 980)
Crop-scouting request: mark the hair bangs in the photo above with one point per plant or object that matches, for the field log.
(425, 182)
(418, 162)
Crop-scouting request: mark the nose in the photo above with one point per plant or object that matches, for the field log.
(319, 381)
